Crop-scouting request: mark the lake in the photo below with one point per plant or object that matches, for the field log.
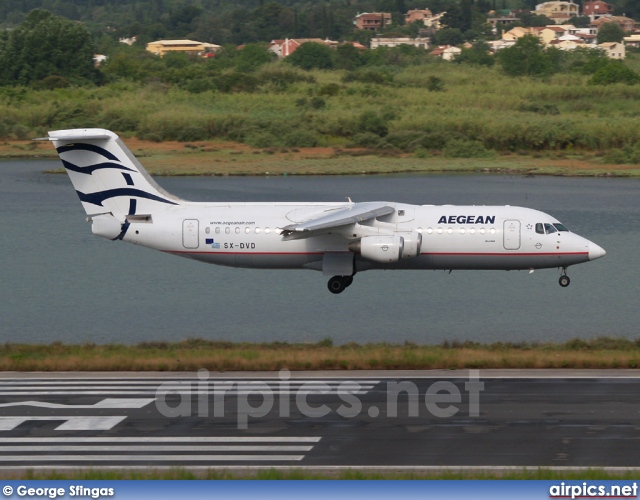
(59, 282)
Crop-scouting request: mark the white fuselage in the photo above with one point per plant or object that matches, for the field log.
(453, 237)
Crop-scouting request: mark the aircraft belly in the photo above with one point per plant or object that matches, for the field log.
(256, 260)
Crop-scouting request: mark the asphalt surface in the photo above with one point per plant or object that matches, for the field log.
(433, 419)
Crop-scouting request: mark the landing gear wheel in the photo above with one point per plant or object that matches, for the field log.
(337, 284)
(564, 281)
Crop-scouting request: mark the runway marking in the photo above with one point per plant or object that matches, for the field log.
(165, 439)
(100, 448)
(109, 403)
(70, 423)
(230, 387)
(152, 458)
(174, 449)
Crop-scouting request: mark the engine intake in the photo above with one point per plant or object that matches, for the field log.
(388, 248)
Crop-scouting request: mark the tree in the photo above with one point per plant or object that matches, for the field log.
(449, 36)
(529, 19)
(614, 72)
(312, 55)
(348, 57)
(478, 54)
(610, 32)
(580, 21)
(526, 58)
(45, 45)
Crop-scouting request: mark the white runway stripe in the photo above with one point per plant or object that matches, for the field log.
(291, 382)
(154, 448)
(109, 403)
(183, 391)
(164, 439)
(173, 449)
(152, 458)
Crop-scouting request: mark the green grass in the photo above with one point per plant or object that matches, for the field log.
(481, 105)
(194, 354)
(179, 473)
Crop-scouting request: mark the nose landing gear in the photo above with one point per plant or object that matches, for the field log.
(564, 279)
(337, 284)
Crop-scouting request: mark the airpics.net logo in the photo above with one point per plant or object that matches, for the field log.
(255, 399)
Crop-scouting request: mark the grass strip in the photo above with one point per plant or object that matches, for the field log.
(180, 473)
(194, 354)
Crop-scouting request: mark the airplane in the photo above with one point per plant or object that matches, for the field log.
(340, 239)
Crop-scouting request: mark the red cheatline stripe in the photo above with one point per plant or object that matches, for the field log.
(243, 253)
(439, 254)
(505, 254)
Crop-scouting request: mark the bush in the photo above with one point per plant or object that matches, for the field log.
(461, 148)
(614, 72)
(365, 140)
(311, 55)
(406, 140)
(369, 76)
(192, 134)
(261, 139)
(370, 121)
(300, 139)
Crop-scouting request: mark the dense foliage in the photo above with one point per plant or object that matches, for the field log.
(46, 46)
(226, 21)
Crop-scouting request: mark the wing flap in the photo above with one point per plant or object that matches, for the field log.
(350, 214)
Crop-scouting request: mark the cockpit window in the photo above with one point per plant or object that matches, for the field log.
(539, 228)
(549, 228)
(560, 227)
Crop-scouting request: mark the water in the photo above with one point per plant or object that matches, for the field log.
(59, 282)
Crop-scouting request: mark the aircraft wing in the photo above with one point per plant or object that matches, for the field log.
(350, 214)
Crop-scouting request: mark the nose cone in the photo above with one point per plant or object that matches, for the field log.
(595, 251)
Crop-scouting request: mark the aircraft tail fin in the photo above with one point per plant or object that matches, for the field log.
(106, 175)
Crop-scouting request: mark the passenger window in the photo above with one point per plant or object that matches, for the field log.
(237, 230)
(217, 230)
(227, 230)
(539, 228)
(549, 228)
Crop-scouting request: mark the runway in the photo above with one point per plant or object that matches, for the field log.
(409, 420)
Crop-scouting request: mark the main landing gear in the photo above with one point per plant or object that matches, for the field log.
(564, 279)
(337, 284)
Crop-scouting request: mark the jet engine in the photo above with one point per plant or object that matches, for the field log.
(388, 248)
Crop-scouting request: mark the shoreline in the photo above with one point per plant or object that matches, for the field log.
(209, 158)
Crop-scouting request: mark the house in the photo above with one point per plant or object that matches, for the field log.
(372, 21)
(567, 42)
(417, 15)
(496, 45)
(379, 41)
(596, 8)
(98, 59)
(589, 36)
(626, 23)
(446, 52)
(553, 32)
(434, 21)
(518, 32)
(161, 47)
(614, 50)
(632, 41)
(128, 41)
(559, 12)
